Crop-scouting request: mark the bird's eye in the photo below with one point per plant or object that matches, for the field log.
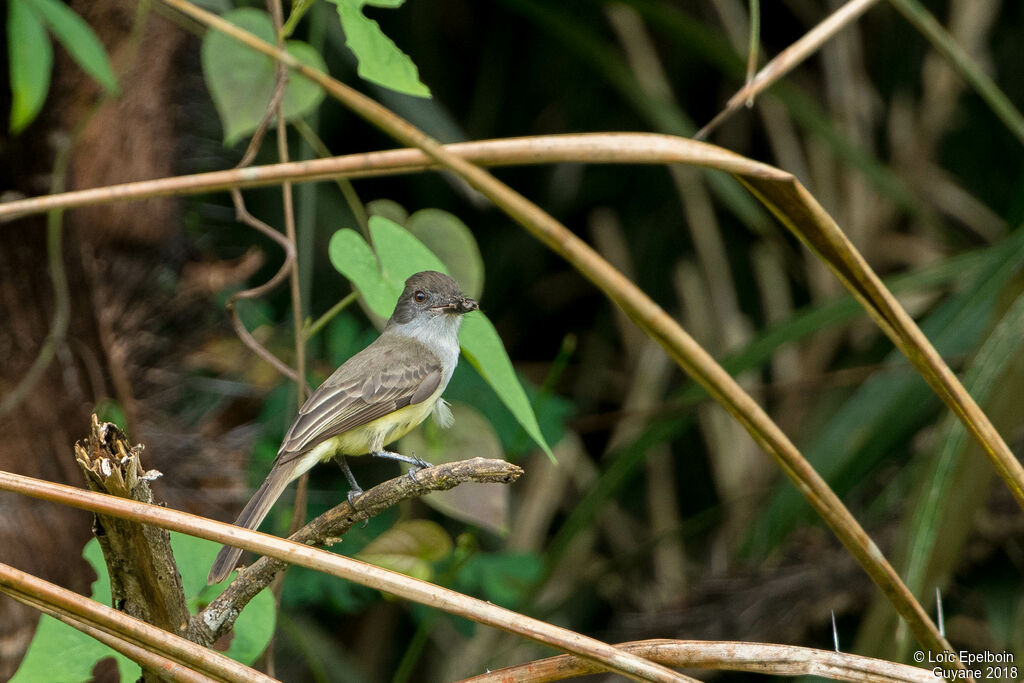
(419, 296)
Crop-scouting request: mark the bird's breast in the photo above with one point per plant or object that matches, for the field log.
(373, 436)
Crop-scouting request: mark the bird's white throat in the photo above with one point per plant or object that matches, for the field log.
(439, 332)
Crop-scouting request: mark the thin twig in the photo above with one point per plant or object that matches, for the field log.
(218, 617)
(241, 330)
(299, 504)
(786, 60)
(242, 215)
(593, 148)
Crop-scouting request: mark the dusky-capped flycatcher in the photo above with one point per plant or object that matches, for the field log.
(376, 397)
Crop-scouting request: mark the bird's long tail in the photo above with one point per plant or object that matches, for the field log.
(251, 517)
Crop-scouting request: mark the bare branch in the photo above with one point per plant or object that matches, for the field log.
(220, 614)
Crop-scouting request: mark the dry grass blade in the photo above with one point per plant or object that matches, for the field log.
(347, 568)
(138, 635)
(595, 148)
(798, 210)
(787, 60)
(766, 658)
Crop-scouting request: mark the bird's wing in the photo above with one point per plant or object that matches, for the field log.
(378, 380)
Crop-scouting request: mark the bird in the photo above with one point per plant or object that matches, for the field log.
(373, 399)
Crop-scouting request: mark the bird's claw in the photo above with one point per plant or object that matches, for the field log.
(353, 494)
(415, 466)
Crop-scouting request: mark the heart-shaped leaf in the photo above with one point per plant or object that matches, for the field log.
(241, 81)
(470, 436)
(410, 547)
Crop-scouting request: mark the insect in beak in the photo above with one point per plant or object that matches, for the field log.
(457, 305)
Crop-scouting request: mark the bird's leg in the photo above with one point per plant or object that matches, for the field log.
(416, 463)
(354, 490)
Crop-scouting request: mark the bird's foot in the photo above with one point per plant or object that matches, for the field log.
(414, 462)
(353, 494)
(354, 490)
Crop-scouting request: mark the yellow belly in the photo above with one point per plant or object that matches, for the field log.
(373, 436)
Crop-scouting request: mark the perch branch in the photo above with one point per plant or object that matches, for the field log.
(218, 617)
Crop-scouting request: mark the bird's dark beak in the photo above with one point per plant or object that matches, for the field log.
(458, 305)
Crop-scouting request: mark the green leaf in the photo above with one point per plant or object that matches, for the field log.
(30, 58)
(482, 346)
(400, 255)
(241, 81)
(471, 436)
(467, 386)
(388, 208)
(79, 40)
(453, 242)
(354, 259)
(380, 60)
